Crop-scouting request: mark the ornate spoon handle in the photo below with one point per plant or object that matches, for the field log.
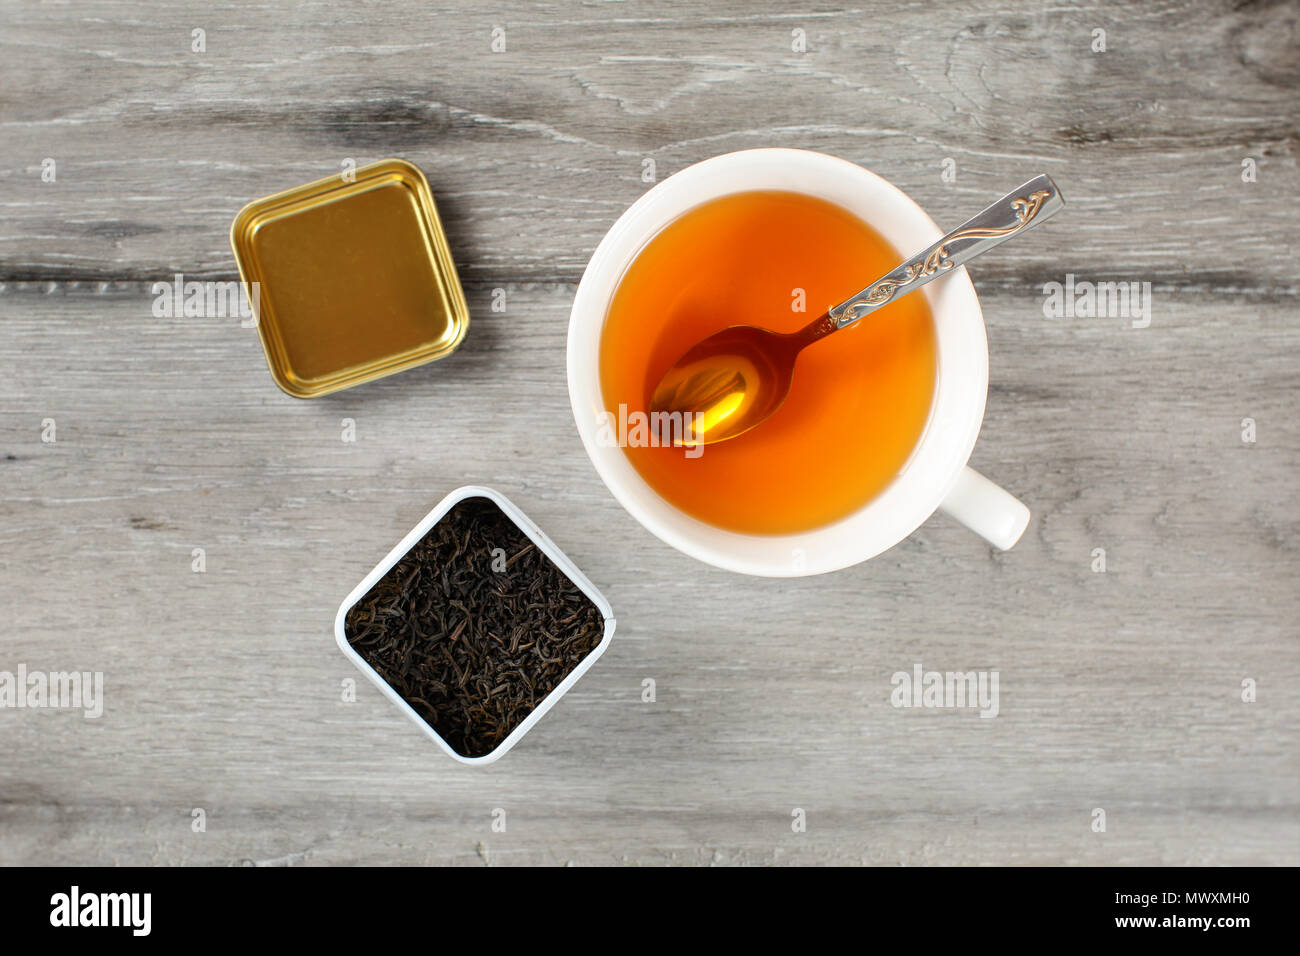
(1018, 210)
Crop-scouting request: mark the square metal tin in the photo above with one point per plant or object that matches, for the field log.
(546, 546)
(354, 279)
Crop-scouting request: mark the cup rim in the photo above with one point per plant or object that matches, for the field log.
(961, 381)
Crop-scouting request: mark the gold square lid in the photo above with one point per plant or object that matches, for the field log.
(352, 278)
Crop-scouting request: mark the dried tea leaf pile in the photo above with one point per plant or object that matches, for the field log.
(474, 626)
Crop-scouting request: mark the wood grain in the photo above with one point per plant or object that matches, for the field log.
(1119, 690)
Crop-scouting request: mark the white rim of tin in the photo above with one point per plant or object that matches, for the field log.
(546, 546)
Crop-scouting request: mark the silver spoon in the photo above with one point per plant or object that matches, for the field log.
(735, 379)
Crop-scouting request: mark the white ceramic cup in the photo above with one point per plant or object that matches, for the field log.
(934, 478)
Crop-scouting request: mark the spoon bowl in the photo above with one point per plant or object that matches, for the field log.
(728, 383)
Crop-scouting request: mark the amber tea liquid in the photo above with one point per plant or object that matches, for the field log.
(859, 401)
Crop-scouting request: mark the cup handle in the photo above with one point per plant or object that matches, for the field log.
(991, 512)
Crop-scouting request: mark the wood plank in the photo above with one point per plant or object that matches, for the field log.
(1119, 690)
(535, 151)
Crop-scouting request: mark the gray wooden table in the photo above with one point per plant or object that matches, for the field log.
(124, 154)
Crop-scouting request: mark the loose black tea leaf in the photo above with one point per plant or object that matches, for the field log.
(474, 626)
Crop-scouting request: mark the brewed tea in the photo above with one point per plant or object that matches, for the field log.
(859, 401)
